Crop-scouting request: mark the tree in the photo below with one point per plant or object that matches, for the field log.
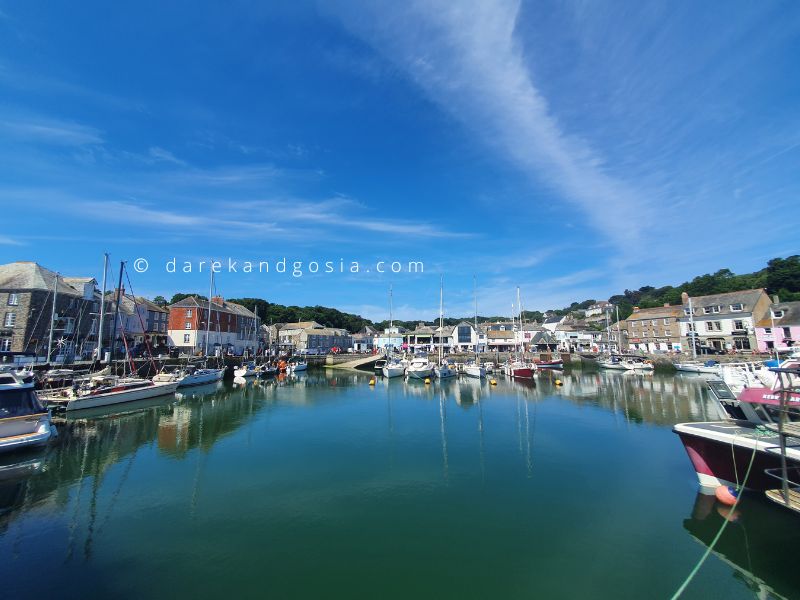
(160, 300)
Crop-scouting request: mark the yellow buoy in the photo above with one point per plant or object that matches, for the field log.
(558, 382)
(493, 382)
(372, 381)
(427, 380)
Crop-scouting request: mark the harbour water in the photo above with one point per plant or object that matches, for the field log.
(323, 486)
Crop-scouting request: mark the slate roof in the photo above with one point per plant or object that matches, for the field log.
(747, 298)
(660, 312)
(791, 315)
(227, 307)
(26, 275)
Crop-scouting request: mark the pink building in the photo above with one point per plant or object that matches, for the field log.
(780, 328)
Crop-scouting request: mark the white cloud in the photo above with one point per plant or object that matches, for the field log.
(7, 241)
(51, 131)
(467, 59)
(162, 155)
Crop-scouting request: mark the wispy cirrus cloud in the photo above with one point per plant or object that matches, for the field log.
(467, 59)
(7, 241)
(50, 131)
(161, 155)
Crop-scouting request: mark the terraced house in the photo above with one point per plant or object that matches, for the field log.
(27, 294)
(233, 328)
(724, 322)
(654, 329)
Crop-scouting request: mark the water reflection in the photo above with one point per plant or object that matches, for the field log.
(757, 544)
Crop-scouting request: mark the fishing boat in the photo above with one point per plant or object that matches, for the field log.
(546, 361)
(419, 368)
(24, 422)
(393, 368)
(105, 390)
(755, 427)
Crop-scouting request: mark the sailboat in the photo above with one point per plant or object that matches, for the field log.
(517, 367)
(443, 370)
(193, 375)
(474, 369)
(108, 389)
(392, 367)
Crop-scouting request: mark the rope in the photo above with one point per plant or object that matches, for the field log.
(725, 522)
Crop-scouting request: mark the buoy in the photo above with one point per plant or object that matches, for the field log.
(372, 381)
(493, 382)
(427, 380)
(726, 494)
(558, 382)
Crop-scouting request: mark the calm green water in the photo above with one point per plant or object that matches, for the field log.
(325, 487)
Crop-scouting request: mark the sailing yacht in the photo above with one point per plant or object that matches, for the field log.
(517, 367)
(443, 370)
(393, 368)
(474, 368)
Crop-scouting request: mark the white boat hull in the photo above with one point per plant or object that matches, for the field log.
(445, 372)
(474, 371)
(695, 368)
(110, 398)
(298, 367)
(209, 376)
(419, 373)
(390, 372)
(30, 431)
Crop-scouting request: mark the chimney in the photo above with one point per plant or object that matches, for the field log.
(635, 309)
(666, 304)
(775, 299)
(684, 298)
(218, 299)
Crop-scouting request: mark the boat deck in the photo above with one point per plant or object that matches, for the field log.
(793, 502)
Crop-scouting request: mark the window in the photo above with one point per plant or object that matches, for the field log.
(768, 330)
(666, 321)
(11, 319)
(464, 334)
(787, 333)
(690, 327)
(741, 343)
(667, 333)
(5, 345)
(185, 338)
(188, 325)
(687, 312)
(713, 326)
(738, 325)
(777, 314)
(188, 312)
(13, 300)
(738, 307)
(653, 322)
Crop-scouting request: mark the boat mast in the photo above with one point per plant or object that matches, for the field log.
(519, 308)
(52, 319)
(441, 317)
(116, 311)
(692, 333)
(102, 310)
(608, 334)
(477, 336)
(619, 333)
(391, 322)
(208, 321)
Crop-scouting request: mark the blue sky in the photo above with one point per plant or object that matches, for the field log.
(571, 148)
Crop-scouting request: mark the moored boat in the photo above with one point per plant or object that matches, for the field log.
(709, 367)
(105, 390)
(474, 370)
(24, 422)
(247, 369)
(754, 423)
(419, 368)
(393, 368)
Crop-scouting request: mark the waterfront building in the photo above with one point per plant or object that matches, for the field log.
(141, 321)
(654, 329)
(779, 329)
(320, 340)
(391, 339)
(724, 322)
(289, 333)
(26, 305)
(233, 327)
